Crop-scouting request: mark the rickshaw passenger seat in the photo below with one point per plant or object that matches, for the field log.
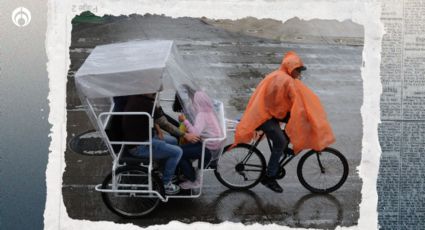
(129, 159)
(115, 133)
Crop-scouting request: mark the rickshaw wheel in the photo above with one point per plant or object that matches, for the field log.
(239, 168)
(128, 204)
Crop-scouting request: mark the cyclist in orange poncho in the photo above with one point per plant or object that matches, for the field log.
(279, 94)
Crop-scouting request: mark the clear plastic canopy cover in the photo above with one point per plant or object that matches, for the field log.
(129, 68)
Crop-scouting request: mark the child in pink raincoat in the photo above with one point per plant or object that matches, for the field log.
(206, 125)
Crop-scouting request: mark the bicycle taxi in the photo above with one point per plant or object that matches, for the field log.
(134, 188)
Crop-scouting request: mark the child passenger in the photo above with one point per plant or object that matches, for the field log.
(205, 125)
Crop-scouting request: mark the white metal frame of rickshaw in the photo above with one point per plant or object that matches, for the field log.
(93, 81)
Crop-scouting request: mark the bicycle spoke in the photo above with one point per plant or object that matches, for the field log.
(252, 170)
(255, 166)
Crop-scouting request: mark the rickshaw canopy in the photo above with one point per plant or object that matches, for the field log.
(130, 68)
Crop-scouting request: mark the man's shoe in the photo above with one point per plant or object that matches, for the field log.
(271, 184)
(171, 189)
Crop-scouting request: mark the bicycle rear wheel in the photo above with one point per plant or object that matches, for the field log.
(132, 204)
(322, 172)
(239, 168)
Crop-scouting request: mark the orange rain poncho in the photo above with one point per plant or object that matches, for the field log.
(279, 93)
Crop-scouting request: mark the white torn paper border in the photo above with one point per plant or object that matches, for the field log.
(58, 37)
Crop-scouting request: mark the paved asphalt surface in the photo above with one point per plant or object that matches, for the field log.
(229, 65)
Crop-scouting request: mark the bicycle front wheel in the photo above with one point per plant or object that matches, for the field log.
(324, 171)
(241, 167)
(131, 203)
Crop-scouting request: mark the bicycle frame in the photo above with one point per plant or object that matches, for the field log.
(285, 159)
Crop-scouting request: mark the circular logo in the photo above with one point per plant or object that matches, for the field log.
(21, 16)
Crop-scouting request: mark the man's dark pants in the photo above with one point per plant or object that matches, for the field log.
(279, 142)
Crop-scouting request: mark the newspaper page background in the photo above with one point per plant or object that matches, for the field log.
(366, 13)
(401, 178)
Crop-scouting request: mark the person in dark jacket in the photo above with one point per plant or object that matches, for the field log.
(135, 128)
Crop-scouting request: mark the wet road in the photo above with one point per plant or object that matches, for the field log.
(229, 66)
